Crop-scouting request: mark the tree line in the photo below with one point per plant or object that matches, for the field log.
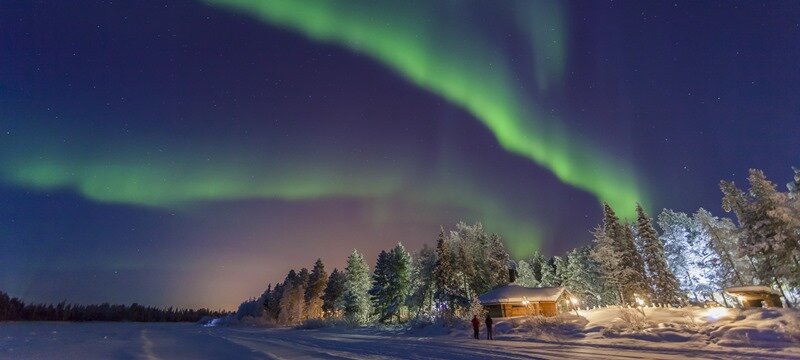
(14, 309)
(692, 259)
(440, 282)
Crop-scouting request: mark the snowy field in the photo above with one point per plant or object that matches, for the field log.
(50, 340)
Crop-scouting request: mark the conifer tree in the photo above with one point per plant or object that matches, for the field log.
(665, 287)
(317, 282)
(536, 260)
(770, 226)
(634, 269)
(357, 304)
(584, 281)
(525, 276)
(424, 283)
(608, 253)
(498, 261)
(398, 288)
(549, 275)
(380, 282)
(332, 298)
(444, 275)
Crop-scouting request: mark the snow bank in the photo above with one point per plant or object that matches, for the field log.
(774, 328)
(758, 328)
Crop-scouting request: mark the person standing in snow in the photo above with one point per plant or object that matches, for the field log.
(488, 322)
(476, 326)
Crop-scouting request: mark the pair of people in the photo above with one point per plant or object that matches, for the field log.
(476, 326)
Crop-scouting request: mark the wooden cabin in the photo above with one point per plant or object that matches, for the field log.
(515, 300)
(756, 296)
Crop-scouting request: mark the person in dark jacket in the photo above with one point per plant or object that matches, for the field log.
(476, 325)
(488, 322)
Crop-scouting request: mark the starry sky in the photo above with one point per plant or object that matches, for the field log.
(190, 152)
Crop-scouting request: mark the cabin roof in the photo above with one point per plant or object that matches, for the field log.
(513, 293)
(752, 289)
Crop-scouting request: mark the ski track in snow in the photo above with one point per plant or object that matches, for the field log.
(190, 341)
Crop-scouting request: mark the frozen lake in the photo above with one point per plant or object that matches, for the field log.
(52, 340)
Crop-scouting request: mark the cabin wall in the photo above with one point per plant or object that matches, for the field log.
(543, 308)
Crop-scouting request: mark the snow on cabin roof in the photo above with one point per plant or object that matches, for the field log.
(752, 289)
(513, 293)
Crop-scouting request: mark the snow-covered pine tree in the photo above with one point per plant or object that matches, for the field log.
(332, 297)
(635, 274)
(536, 260)
(497, 262)
(424, 285)
(771, 228)
(584, 281)
(560, 264)
(444, 276)
(291, 302)
(380, 281)
(549, 277)
(398, 287)
(357, 304)
(317, 282)
(677, 235)
(464, 267)
(723, 238)
(610, 252)
(665, 287)
(525, 276)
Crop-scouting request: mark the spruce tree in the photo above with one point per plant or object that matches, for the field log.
(380, 282)
(525, 275)
(536, 260)
(635, 275)
(771, 228)
(332, 297)
(398, 288)
(422, 297)
(584, 281)
(665, 287)
(549, 275)
(357, 304)
(444, 276)
(497, 263)
(317, 282)
(608, 253)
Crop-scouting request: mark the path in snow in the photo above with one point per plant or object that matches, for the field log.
(190, 341)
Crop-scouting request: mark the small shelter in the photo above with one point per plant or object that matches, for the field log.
(756, 296)
(515, 300)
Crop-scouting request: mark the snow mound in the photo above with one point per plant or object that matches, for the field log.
(765, 328)
(772, 328)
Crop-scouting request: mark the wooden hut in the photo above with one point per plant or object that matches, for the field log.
(515, 300)
(756, 296)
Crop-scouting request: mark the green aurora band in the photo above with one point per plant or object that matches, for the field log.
(423, 42)
(446, 56)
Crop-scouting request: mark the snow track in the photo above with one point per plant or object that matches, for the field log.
(190, 341)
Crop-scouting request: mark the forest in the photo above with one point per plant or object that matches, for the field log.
(14, 309)
(676, 259)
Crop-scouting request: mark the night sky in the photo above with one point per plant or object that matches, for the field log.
(188, 153)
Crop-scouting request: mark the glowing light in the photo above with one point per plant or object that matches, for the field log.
(473, 74)
(717, 313)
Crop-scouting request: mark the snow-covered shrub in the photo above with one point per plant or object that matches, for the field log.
(632, 320)
(553, 328)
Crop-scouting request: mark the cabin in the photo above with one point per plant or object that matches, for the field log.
(756, 296)
(515, 300)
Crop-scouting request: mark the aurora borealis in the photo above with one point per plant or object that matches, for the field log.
(223, 141)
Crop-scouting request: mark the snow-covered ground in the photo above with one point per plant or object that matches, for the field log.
(602, 334)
